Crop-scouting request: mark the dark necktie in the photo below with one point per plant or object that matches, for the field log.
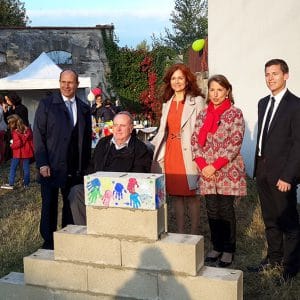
(267, 124)
(70, 110)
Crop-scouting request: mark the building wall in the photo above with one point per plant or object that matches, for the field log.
(21, 46)
(243, 35)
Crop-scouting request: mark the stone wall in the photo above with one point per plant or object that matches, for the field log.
(20, 46)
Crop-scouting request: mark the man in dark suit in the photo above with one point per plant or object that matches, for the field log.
(62, 144)
(277, 169)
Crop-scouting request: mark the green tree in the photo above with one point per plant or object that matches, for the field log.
(189, 20)
(13, 13)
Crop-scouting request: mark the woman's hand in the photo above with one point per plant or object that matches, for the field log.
(208, 171)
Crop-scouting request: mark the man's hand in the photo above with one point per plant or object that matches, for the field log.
(45, 171)
(283, 186)
(208, 171)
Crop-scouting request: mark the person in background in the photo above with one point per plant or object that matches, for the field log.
(95, 110)
(107, 112)
(3, 127)
(62, 143)
(15, 106)
(22, 150)
(120, 152)
(172, 154)
(277, 171)
(216, 145)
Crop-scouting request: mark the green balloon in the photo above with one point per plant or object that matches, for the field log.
(198, 45)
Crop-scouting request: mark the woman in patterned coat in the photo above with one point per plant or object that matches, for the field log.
(216, 145)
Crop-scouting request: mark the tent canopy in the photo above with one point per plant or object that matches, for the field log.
(41, 74)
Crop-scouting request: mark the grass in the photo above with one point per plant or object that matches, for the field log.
(19, 236)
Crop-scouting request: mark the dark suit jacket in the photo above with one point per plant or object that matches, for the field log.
(282, 147)
(52, 133)
(137, 157)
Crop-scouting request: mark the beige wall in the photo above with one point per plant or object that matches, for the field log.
(243, 35)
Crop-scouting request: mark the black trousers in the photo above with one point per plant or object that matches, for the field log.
(222, 222)
(280, 215)
(49, 213)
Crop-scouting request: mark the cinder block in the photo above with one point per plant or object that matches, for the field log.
(12, 287)
(41, 269)
(173, 252)
(123, 282)
(147, 224)
(72, 243)
(210, 283)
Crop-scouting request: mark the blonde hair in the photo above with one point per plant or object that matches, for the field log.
(15, 122)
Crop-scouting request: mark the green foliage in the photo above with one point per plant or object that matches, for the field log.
(126, 78)
(13, 13)
(190, 23)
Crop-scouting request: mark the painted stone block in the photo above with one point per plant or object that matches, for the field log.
(125, 190)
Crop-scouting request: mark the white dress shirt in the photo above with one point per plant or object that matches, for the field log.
(74, 107)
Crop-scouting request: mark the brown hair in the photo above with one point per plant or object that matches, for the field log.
(222, 81)
(277, 61)
(191, 87)
(15, 122)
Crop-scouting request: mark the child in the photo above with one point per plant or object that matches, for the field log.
(22, 149)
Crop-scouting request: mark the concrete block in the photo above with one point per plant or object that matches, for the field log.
(12, 287)
(72, 243)
(127, 190)
(210, 283)
(123, 282)
(41, 269)
(147, 224)
(173, 252)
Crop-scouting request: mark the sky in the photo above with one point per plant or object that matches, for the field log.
(134, 20)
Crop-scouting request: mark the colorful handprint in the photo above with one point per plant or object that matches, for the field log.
(107, 197)
(93, 187)
(132, 182)
(118, 191)
(135, 200)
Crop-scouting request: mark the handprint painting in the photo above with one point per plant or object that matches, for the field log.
(125, 190)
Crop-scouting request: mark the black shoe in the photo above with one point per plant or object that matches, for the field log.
(48, 245)
(225, 264)
(288, 275)
(211, 259)
(265, 264)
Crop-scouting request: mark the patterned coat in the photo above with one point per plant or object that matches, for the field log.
(226, 142)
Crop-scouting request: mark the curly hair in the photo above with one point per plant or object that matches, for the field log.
(15, 122)
(191, 82)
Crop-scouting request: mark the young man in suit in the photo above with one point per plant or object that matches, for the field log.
(62, 146)
(277, 170)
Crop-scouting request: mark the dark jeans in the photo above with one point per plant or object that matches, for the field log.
(222, 223)
(49, 211)
(13, 169)
(280, 215)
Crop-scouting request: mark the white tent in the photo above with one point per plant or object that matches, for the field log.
(36, 80)
(41, 74)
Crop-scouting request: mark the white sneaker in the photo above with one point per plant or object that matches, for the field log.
(6, 186)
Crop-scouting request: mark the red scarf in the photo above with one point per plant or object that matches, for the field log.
(212, 120)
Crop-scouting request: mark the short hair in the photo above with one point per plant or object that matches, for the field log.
(127, 113)
(69, 70)
(277, 61)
